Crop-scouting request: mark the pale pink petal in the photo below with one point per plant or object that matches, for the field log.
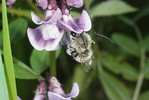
(10, 2)
(42, 3)
(53, 44)
(35, 18)
(49, 31)
(52, 17)
(85, 21)
(74, 91)
(35, 38)
(75, 3)
(54, 96)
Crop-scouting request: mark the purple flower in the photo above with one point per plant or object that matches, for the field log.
(10, 2)
(57, 93)
(51, 16)
(75, 3)
(54, 91)
(77, 25)
(41, 91)
(45, 37)
(47, 4)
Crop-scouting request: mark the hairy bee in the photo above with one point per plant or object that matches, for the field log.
(79, 46)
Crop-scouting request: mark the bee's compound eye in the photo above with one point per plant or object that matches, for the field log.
(73, 34)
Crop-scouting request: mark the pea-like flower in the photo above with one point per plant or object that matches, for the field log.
(45, 37)
(10, 2)
(77, 25)
(54, 91)
(75, 3)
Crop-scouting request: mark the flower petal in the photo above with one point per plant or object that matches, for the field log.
(35, 38)
(39, 97)
(10, 2)
(53, 44)
(85, 21)
(35, 18)
(54, 96)
(74, 91)
(70, 24)
(42, 3)
(49, 31)
(75, 3)
(52, 17)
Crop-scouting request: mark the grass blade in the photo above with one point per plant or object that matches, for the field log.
(9, 70)
(3, 85)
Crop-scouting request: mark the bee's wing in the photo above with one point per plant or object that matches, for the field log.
(88, 65)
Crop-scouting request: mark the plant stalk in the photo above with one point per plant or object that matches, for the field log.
(52, 68)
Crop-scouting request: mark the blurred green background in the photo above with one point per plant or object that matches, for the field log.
(122, 66)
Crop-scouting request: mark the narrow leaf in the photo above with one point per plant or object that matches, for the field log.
(22, 71)
(114, 89)
(112, 7)
(125, 69)
(3, 83)
(128, 44)
(8, 56)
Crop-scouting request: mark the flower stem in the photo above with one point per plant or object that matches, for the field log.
(8, 62)
(52, 68)
(141, 76)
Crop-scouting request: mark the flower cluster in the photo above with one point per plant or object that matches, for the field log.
(54, 91)
(58, 20)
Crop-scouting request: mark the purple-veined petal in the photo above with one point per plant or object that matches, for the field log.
(75, 3)
(70, 24)
(35, 38)
(53, 44)
(74, 91)
(46, 36)
(42, 3)
(54, 96)
(77, 25)
(10, 2)
(49, 31)
(85, 21)
(51, 16)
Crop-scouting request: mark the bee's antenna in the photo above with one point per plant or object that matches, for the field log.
(103, 36)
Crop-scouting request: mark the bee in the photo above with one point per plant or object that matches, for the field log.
(79, 46)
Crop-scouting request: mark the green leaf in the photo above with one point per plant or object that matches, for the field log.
(128, 44)
(22, 71)
(115, 90)
(112, 7)
(8, 62)
(144, 96)
(79, 76)
(145, 71)
(39, 60)
(3, 83)
(125, 69)
(146, 42)
(17, 29)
